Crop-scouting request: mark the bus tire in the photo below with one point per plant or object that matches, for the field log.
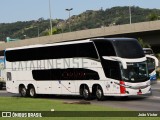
(1, 86)
(22, 91)
(86, 93)
(99, 93)
(32, 92)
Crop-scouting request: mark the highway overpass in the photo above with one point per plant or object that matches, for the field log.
(148, 31)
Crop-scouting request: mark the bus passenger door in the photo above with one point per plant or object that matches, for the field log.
(113, 76)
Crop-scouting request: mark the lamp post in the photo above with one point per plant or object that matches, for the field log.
(50, 17)
(69, 17)
(130, 15)
(37, 25)
(38, 30)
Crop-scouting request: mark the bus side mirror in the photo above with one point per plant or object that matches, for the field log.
(155, 59)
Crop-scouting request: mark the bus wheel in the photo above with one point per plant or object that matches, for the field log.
(1, 86)
(32, 92)
(22, 91)
(99, 94)
(86, 93)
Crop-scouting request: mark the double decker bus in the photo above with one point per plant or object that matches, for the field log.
(153, 63)
(94, 67)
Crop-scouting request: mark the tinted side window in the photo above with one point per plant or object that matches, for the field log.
(105, 48)
(111, 69)
(53, 52)
(26, 54)
(65, 74)
(9, 76)
(2, 53)
(74, 50)
(86, 50)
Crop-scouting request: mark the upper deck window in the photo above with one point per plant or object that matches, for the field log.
(53, 52)
(105, 48)
(128, 49)
(124, 48)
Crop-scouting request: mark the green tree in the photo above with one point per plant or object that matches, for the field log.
(153, 16)
(55, 31)
(143, 44)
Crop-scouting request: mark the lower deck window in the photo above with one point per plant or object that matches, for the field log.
(9, 76)
(65, 74)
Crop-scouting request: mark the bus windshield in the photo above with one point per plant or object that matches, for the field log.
(135, 72)
(134, 50)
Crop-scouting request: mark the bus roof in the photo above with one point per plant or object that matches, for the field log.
(69, 42)
(50, 44)
(114, 39)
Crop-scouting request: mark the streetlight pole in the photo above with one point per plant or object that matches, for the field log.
(50, 16)
(69, 17)
(37, 25)
(130, 14)
(38, 30)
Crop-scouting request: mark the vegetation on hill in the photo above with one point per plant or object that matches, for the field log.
(86, 20)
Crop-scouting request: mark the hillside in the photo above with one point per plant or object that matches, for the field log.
(86, 20)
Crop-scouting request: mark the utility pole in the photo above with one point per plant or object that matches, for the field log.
(130, 15)
(50, 17)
